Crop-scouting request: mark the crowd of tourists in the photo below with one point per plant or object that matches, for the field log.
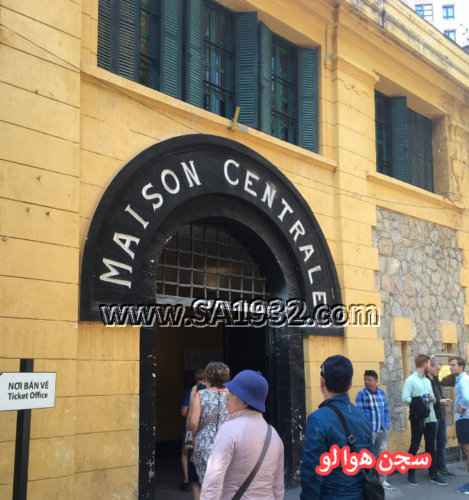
(230, 452)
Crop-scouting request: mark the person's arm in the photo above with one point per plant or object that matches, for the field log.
(218, 462)
(184, 411)
(465, 392)
(195, 414)
(191, 398)
(407, 391)
(386, 411)
(360, 401)
(279, 484)
(313, 448)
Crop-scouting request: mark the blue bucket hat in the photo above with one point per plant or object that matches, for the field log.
(251, 387)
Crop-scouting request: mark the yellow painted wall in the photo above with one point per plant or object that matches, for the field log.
(67, 127)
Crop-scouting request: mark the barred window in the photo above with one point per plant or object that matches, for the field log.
(202, 261)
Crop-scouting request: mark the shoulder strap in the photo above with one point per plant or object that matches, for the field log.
(254, 471)
(350, 438)
(209, 421)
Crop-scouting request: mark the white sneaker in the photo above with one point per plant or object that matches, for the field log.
(388, 486)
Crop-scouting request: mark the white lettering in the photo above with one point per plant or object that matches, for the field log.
(152, 196)
(128, 240)
(176, 180)
(308, 250)
(298, 229)
(269, 194)
(319, 297)
(227, 164)
(191, 174)
(250, 175)
(311, 271)
(112, 272)
(287, 208)
(134, 214)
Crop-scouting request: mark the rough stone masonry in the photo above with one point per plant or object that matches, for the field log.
(418, 278)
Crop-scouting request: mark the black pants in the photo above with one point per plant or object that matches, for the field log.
(417, 429)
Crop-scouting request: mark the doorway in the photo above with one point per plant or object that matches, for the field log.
(249, 348)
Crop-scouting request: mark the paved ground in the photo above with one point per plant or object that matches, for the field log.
(425, 489)
(169, 478)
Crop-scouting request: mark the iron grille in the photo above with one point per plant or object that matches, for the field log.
(202, 261)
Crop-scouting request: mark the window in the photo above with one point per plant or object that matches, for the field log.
(148, 45)
(205, 54)
(448, 12)
(451, 34)
(425, 11)
(288, 90)
(284, 85)
(403, 142)
(218, 61)
(383, 134)
(202, 261)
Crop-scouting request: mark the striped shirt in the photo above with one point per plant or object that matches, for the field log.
(375, 406)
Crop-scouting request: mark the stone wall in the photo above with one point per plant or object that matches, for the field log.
(419, 278)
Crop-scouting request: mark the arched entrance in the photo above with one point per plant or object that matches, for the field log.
(210, 182)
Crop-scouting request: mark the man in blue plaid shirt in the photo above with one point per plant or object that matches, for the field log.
(374, 404)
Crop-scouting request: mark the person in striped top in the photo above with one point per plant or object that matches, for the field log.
(372, 401)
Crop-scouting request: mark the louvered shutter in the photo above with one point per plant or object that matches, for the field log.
(400, 168)
(127, 38)
(308, 99)
(171, 47)
(413, 153)
(420, 151)
(104, 35)
(428, 154)
(265, 79)
(194, 53)
(247, 84)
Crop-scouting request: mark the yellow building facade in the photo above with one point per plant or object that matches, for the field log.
(69, 128)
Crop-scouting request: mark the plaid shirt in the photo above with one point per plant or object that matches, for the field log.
(375, 407)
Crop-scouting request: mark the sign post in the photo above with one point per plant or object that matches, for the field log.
(23, 433)
(24, 391)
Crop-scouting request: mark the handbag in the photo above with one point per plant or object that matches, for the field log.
(254, 471)
(373, 489)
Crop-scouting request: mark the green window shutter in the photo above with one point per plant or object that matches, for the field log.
(247, 84)
(171, 48)
(127, 39)
(399, 138)
(194, 53)
(413, 149)
(420, 151)
(428, 154)
(308, 99)
(265, 79)
(104, 34)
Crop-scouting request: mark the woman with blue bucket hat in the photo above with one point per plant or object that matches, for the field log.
(247, 456)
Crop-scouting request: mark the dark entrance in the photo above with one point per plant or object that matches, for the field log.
(197, 178)
(248, 348)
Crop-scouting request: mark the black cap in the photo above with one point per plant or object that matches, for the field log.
(337, 367)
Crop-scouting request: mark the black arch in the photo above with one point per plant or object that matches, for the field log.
(208, 154)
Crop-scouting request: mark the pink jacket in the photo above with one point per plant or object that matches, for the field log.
(235, 452)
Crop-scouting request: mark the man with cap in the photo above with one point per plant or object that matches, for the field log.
(324, 429)
(239, 445)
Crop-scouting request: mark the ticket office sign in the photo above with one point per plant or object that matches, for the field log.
(27, 391)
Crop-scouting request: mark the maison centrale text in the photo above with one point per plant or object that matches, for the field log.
(233, 174)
